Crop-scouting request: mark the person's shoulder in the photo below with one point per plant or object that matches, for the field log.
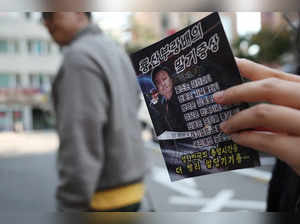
(74, 55)
(91, 42)
(82, 50)
(78, 48)
(78, 57)
(92, 46)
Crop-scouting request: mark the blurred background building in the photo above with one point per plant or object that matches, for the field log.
(28, 63)
(146, 28)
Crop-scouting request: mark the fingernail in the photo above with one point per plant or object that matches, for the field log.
(234, 137)
(224, 127)
(218, 96)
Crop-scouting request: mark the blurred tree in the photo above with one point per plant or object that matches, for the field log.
(294, 24)
(241, 47)
(272, 45)
(266, 46)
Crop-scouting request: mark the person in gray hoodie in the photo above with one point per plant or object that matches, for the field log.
(100, 161)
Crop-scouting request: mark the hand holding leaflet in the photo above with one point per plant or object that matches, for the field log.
(280, 118)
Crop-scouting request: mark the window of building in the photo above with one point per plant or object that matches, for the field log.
(9, 46)
(3, 120)
(18, 81)
(13, 46)
(5, 80)
(3, 46)
(40, 81)
(38, 47)
(45, 84)
(34, 81)
(49, 47)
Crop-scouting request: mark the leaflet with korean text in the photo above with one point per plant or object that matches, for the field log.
(178, 77)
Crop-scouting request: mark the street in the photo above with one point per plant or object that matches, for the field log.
(27, 171)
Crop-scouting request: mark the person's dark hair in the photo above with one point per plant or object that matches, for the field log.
(47, 15)
(158, 69)
(89, 15)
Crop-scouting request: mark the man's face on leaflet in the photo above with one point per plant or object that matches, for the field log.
(164, 84)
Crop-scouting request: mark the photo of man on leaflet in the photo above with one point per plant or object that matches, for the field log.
(170, 110)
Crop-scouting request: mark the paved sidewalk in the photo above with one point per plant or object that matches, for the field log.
(13, 144)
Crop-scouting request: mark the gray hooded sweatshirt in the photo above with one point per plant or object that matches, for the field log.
(95, 97)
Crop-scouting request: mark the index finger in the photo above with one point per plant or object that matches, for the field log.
(270, 90)
(254, 71)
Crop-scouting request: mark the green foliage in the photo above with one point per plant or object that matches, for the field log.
(272, 45)
(241, 46)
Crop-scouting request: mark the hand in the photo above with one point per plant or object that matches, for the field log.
(281, 118)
